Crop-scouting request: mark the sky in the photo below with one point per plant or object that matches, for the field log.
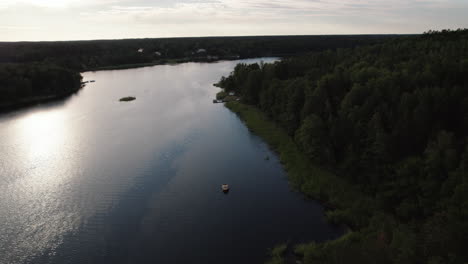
(46, 20)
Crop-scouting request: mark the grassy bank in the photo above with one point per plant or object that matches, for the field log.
(313, 181)
(343, 201)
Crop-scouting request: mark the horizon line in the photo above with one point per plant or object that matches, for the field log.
(215, 36)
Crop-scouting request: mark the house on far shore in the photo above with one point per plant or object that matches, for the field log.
(232, 93)
(157, 53)
(201, 51)
(140, 50)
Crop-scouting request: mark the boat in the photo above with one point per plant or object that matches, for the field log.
(225, 188)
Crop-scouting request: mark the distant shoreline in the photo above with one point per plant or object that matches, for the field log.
(168, 62)
(35, 100)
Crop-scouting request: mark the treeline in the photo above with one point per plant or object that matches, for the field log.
(32, 69)
(35, 82)
(390, 119)
(87, 55)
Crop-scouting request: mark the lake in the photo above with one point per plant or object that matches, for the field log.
(93, 180)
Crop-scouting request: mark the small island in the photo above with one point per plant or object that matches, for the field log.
(127, 99)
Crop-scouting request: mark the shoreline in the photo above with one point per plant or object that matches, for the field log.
(301, 172)
(32, 101)
(161, 62)
(312, 181)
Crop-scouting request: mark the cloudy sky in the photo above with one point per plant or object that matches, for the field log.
(108, 19)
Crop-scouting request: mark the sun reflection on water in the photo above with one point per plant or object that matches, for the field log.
(37, 210)
(42, 133)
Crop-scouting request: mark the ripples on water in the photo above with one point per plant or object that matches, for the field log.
(94, 180)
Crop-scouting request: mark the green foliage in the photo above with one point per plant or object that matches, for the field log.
(23, 83)
(312, 136)
(277, 254)
(221, 95)
(310, 179)
(390, 120)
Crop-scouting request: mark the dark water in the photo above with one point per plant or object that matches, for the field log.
(94, 180)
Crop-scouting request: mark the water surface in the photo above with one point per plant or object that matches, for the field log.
(94, 180)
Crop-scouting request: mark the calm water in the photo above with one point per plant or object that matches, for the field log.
(94, 180)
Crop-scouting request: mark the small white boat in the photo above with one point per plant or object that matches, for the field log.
(225, 188)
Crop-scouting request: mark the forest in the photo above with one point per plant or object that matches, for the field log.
(32, 71)
(94, 54)
(389, 122)
(22, 84)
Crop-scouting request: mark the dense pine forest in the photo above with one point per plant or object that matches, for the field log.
(390, 120)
